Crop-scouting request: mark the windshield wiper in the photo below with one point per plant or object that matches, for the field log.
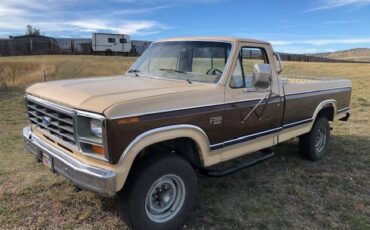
(135, 71)
(173, 70)
(177, 71)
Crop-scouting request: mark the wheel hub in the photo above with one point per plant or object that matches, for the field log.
(165, 198)
(320, 139)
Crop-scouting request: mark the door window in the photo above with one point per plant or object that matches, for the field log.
(243, 73)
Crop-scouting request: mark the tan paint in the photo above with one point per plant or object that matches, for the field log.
(300, 85)
(125, 96)
(241, 149)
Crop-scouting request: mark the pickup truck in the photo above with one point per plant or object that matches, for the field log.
(185, 106)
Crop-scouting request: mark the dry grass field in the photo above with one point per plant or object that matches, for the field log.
(285, 192)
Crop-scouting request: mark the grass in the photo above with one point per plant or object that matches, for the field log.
(285, 192)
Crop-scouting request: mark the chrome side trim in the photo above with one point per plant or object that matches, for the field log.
(163, 111)
(239, 139)
(342, 110)
(102, 181)
(301, 122)
(162, 129)
(183, 108)
(244, 138)
(269, 131)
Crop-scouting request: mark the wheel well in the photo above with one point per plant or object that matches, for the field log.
(184, 147)
(328, 112)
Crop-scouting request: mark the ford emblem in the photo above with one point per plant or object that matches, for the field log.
(46, 121)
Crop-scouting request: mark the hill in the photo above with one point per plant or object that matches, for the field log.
(359, 54)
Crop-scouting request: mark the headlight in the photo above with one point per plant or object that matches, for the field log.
(96, 128)
(90, 135)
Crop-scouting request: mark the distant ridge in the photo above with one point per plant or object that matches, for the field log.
(359, 55)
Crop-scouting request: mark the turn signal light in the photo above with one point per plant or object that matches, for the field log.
(128, 120)
(97, 149)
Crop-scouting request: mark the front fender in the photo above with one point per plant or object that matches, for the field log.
(159, 135)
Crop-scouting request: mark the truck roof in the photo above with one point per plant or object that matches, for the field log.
(213, 38)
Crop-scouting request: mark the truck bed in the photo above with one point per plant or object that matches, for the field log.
(296, 85)
(306, 93)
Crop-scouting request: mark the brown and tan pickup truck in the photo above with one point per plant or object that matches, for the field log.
(186, 105)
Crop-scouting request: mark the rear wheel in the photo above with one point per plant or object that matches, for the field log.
(160, 193)
(314, 144)
(108, 52)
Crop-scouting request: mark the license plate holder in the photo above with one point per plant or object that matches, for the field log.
(47, 160)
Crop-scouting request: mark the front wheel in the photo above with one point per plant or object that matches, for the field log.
(314, 144)
(160, 193)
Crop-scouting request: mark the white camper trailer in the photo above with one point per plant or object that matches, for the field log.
(111, 43)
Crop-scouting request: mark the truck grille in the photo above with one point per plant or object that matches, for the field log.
(57, 122)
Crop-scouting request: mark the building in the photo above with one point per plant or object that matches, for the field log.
(32, 44)
(4, 47)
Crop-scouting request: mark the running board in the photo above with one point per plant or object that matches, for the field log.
(267, 153)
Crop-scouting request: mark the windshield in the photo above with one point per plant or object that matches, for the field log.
(200, 61)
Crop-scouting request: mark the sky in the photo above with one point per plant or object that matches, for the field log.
(291, 26)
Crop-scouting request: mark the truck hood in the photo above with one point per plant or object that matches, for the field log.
(99, 93)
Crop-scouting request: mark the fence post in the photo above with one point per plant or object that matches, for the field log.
(31, 45)
(44, 76)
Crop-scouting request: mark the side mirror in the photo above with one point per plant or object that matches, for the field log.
(262, 76)
(278, 64)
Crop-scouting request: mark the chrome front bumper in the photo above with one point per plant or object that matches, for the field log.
(99, 180)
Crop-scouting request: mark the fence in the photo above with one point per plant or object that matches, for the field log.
(31, 46)
(310, 58)
(36, 45)
(74, 45)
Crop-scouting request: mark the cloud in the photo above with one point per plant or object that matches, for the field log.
(321, 42)
(137, 27)
(331, 4)
(59, 17)
(140, 11)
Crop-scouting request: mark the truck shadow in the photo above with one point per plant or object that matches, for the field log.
(266, 195)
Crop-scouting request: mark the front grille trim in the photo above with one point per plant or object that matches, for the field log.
(62, 125)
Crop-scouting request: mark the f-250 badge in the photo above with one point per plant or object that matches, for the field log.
(215, 120)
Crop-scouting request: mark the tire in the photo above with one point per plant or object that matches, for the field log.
(108, 52)
(157, 186)
(314, 145)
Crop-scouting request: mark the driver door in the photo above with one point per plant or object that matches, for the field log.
(250, 113)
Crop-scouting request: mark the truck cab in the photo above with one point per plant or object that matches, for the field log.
(185, 105)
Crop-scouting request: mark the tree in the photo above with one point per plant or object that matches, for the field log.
(32, 30)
